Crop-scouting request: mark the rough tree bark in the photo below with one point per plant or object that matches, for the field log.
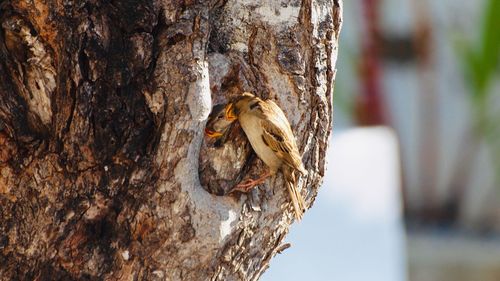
(102, 110)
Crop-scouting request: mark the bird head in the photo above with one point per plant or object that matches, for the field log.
(243, 103)
(218, 121)
(222, 115)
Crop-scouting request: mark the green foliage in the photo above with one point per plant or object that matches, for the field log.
(482, 62)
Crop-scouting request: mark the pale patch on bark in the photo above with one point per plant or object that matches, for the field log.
(199, 99)
(280, 14)
(218, 66)
(39, 71)
(155, 101)
(243, 15)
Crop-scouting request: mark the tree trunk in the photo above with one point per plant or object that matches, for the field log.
(102, 111)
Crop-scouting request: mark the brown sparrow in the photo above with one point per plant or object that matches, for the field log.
(272, 139)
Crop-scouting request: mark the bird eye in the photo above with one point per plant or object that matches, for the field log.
(219, 117)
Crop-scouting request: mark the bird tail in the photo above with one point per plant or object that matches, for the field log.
(299, 205)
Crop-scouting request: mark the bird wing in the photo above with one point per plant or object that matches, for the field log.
(277, 135)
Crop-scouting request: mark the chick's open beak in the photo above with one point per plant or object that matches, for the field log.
(212, 134)
(230, 116)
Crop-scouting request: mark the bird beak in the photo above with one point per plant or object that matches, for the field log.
(212, 134)
(230, 116)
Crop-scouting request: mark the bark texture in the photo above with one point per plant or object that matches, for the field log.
(104, 169)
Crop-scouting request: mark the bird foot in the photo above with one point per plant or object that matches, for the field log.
(247, 185)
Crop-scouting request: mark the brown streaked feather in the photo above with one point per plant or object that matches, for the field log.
(279, 137)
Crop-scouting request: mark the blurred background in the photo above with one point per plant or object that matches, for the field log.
(412, 188)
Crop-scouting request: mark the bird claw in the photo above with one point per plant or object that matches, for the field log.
(246, 186)
(250, 183)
